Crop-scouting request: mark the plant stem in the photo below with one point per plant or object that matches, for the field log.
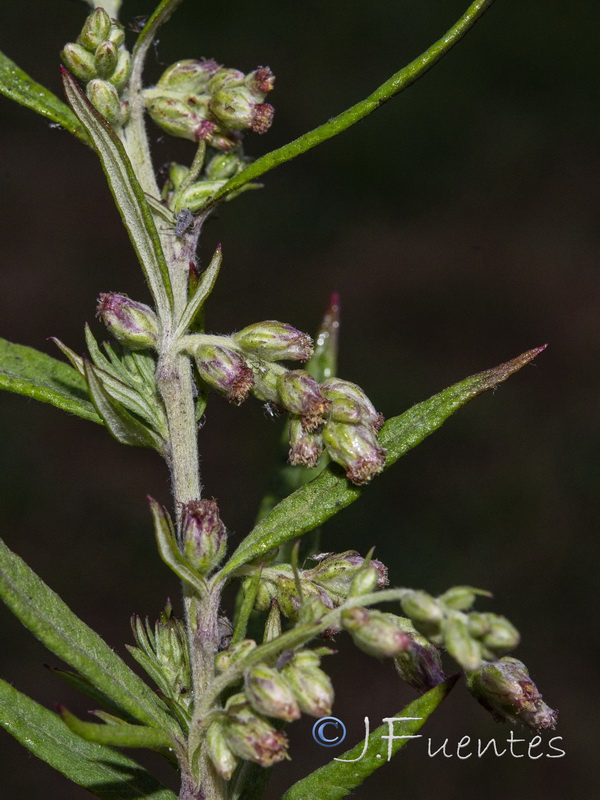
(401, 80)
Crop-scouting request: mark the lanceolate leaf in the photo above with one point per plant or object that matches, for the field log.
(105, 773)
(18, 86)
(338, 779)
(330, 492)
(26, 371)
(120, 735)
(56, 626)
(127, 192)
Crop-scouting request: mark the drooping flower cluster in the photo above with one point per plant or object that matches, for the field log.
(99, 59)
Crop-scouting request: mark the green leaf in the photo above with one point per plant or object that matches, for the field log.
(169, 551)
(330, 492)
(338, 779)
(26, 371)
(49, 619)
(105, 773)
(127, 192)
(18, 86)
(202, 291)
(121, 735)
(122, 425)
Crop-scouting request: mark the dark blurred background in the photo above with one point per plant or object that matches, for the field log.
(459, 225)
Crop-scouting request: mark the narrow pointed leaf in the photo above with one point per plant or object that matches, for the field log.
(51, 621)
(26, 371)
(122, 735)
(338, 779)
(330, 492)
(104, 772)
(204, 288)
(83, 685)
(169, 551)
(18, 86)
(123, 425)
(127, 192)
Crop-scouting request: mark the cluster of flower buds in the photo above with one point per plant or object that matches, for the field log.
(295, 684)
(505, 689)
(336, 577)
(221, 167)
(131, 323)
(200, 100)
(471, 638)
(336, 415)
(162, 652)
(203, 535)
(99, 59)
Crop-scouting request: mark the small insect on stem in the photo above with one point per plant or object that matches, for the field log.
(271, 410)
(184, 220)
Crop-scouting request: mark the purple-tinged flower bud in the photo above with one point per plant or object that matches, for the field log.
(269, 693)
(237, 652)
(79, 60)
(311, 686)
(95, 29)
(300, 395)
(305, 446)
(105, 99)
(223, 760)
(356, 448)
(346, 399)
(225, 370)
(189, 76)
(122, 70)
(237, 109)
(105, 59)
(250, 736)
(203, 535)
(505, 689)
(274, 341)
(260, 81)
(421, 665)
(459, 642)
(178, 118)
(131, 323)
(373, 633)
(336, 572)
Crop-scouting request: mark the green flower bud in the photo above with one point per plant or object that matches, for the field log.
(505, 689)
(289, 602)
(103, 96)
(274, 341)
(223, 760)
(237, 652)
(236, 109)
(266, 382)
(312, 688)
(422, 607)
(373, 633)
(501, 635)
(203, 535)
(95, 29)
(305, 446)
(105, 59)
(197, 194)
(177, 174)
(117, 33)
(337, 571)
(188, 76)
(131, 323)
(356, 448)
(350, 404)
(225, 78)
(250, 736)
(300, 395)
(365, 581)
(269, 694)
(225, 370)
(459, 598)
(459, 642)
(77, 59)
(171, 651)
(420, 666)
(273, 628)
(179, 118)
(223, 166)
(122, 70)
(478, 624)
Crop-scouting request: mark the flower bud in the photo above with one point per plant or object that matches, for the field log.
(225, 78)
(237, 652)
(274, 341)
(219, 752)
(422, 607)
(122, 70)
(337, 571)
(478, 624)
(260, 81)
(300, 395)
(501, 635)
(459, 642)
(81, 62)
(103, 96)
(117, 33)
(305, 447)
(290, 603)
(312, 688)
(225, 370)
(250, 736)
(365, 581)
(131, 323)
(356, 448)
(373, 633)
(266, 382)
(273, 628)
(236, 109)
(269, 693)
(420, 666)
(505, 689)
(460, 598)
(198, 193)
(105, 59)
(348, 400)
(189, 76)
(203, 535)
(171, 652)
(223, 166)
(178, 118)
(95, 29)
